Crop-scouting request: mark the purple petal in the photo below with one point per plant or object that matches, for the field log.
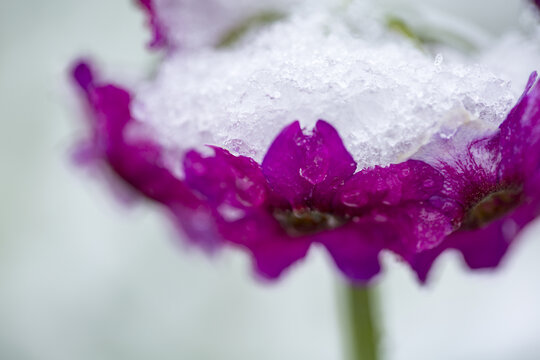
(520, 135)
(422, 262)
(224, 179)
(402, 198)
(306, 169)
(342, 166)
(427, 226)
(355, 249)
(159, 39)
(137, 161)
(272, 249)
(482, 248)
(485, 247)
(83, 76)
(237, 191)
(412, 180)
(468, 162)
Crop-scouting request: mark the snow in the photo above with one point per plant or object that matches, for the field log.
(385, 95)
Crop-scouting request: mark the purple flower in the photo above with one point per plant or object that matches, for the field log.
(266, 209)
(491, 185)
(474, 191)
(304, 191)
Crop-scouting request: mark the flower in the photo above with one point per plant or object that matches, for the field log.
(275, 210)
(491, 185)
(473, 191)
(306, 190)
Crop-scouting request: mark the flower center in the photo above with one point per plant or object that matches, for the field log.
(307, 221)
(493, 206)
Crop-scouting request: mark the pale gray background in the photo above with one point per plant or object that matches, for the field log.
(82, 278)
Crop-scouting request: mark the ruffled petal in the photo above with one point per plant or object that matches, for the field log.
(403, 198)
(159, 37)
(412, 180)
(138, 161)
(341, 166)
(468, 161)
(481, 249)
(484, 248)
(236, 189)
(226, 180)
(272, 249)
(355, 248)
(520, 135)
(282, 163)
(304, 169)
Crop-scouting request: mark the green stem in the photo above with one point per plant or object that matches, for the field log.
(364, 337)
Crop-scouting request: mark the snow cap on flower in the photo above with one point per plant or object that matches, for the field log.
(384, 96)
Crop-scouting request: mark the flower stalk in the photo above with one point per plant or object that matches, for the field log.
(362, 326)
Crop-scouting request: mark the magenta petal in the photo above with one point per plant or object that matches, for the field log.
(159, 39)
(137, 162)
(284, 163)
(83, 76)
(300, 166)
(237, 191)
(427, 227)
(271, 258)
(483, 248)
(520, 135)
(341, 167)
(406, 199)
(224, 179)
(468, 162)
(272, 249)
(422, 262)
(355, 249)
(412, 180)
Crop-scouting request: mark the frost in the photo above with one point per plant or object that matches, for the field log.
(385, 96)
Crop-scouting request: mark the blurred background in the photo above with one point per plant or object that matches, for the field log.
(84, 278)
